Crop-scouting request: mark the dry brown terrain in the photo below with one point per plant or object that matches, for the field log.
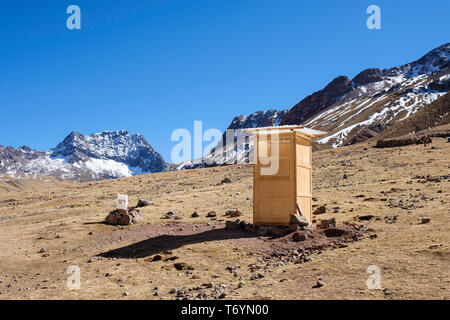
(390, 184)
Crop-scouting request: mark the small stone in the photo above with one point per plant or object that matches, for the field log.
(211, 214)
(233, 214)
(299, 236)
(299, 220)
(334, 232)
(221, 295)
(226, 180)
(424, 220)
(258, 275)
(195, 215)
(143, 203)
(42, 250)
(320, 210)
(327, 223)
(182, 266)
(320, 283)
(126, 294)
(170, 214)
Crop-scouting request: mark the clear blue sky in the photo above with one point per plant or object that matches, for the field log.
(153, 66)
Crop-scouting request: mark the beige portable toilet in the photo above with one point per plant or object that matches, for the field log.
(279, 193)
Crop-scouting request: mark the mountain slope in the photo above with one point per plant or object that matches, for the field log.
(85, 157)
(352, 111)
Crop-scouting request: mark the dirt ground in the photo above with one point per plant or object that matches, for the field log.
(47, 226)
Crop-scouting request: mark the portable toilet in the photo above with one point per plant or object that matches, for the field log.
(282, 173)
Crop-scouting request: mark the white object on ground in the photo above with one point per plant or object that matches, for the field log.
(122, 201)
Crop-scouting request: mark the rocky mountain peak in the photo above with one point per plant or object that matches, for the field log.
(120, 146)
(318, 101)
(368, 76)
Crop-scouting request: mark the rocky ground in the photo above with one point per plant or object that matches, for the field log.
(391, 205)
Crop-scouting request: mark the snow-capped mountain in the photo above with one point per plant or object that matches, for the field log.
(354, 110)
(375, 99)
(86, 157)
(224, 153)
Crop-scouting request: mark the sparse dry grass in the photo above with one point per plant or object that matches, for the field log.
(38, 211)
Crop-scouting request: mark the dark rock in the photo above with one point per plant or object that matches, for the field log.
(233, 213)
(299, 220)
(327, 223)
(318, 101)
(320, 210)
(299, 236)
(170, 214)
(407, 140)
(334, 232)
(143, 203)
(366, 217)
(195, 214)
(182, 266)
(258, 275)
(368, 76)
(320, 283)
(226, 180)
(211, 214)
(424, 220)
(232, 225)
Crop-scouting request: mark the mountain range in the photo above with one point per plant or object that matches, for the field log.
(110, 154)
(375, 102)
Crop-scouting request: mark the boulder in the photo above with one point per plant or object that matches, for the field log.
(233, 213)
(320, 210)
(299, 236)
(170, 214)
(143, 203)
(327, 223)
(123, 217)
(334, 232)
(195, 214)
(226, 180)
(424, 220)
(298, 220)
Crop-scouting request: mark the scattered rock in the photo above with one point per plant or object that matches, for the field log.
(123, 217)
(232, 225)
(226, 180)
(170, 214)
(320, 283)
(299, 236)
(334, 232)
(126, 294)
(327, 223)
(404, 141)
(258, 275)
(233, 213)
(320, 210)
(424, 220)
(143, 203)
(298, 220)
(42, 250)
(366, 217)
(182, 266)
(195, 215)
(211, 214)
